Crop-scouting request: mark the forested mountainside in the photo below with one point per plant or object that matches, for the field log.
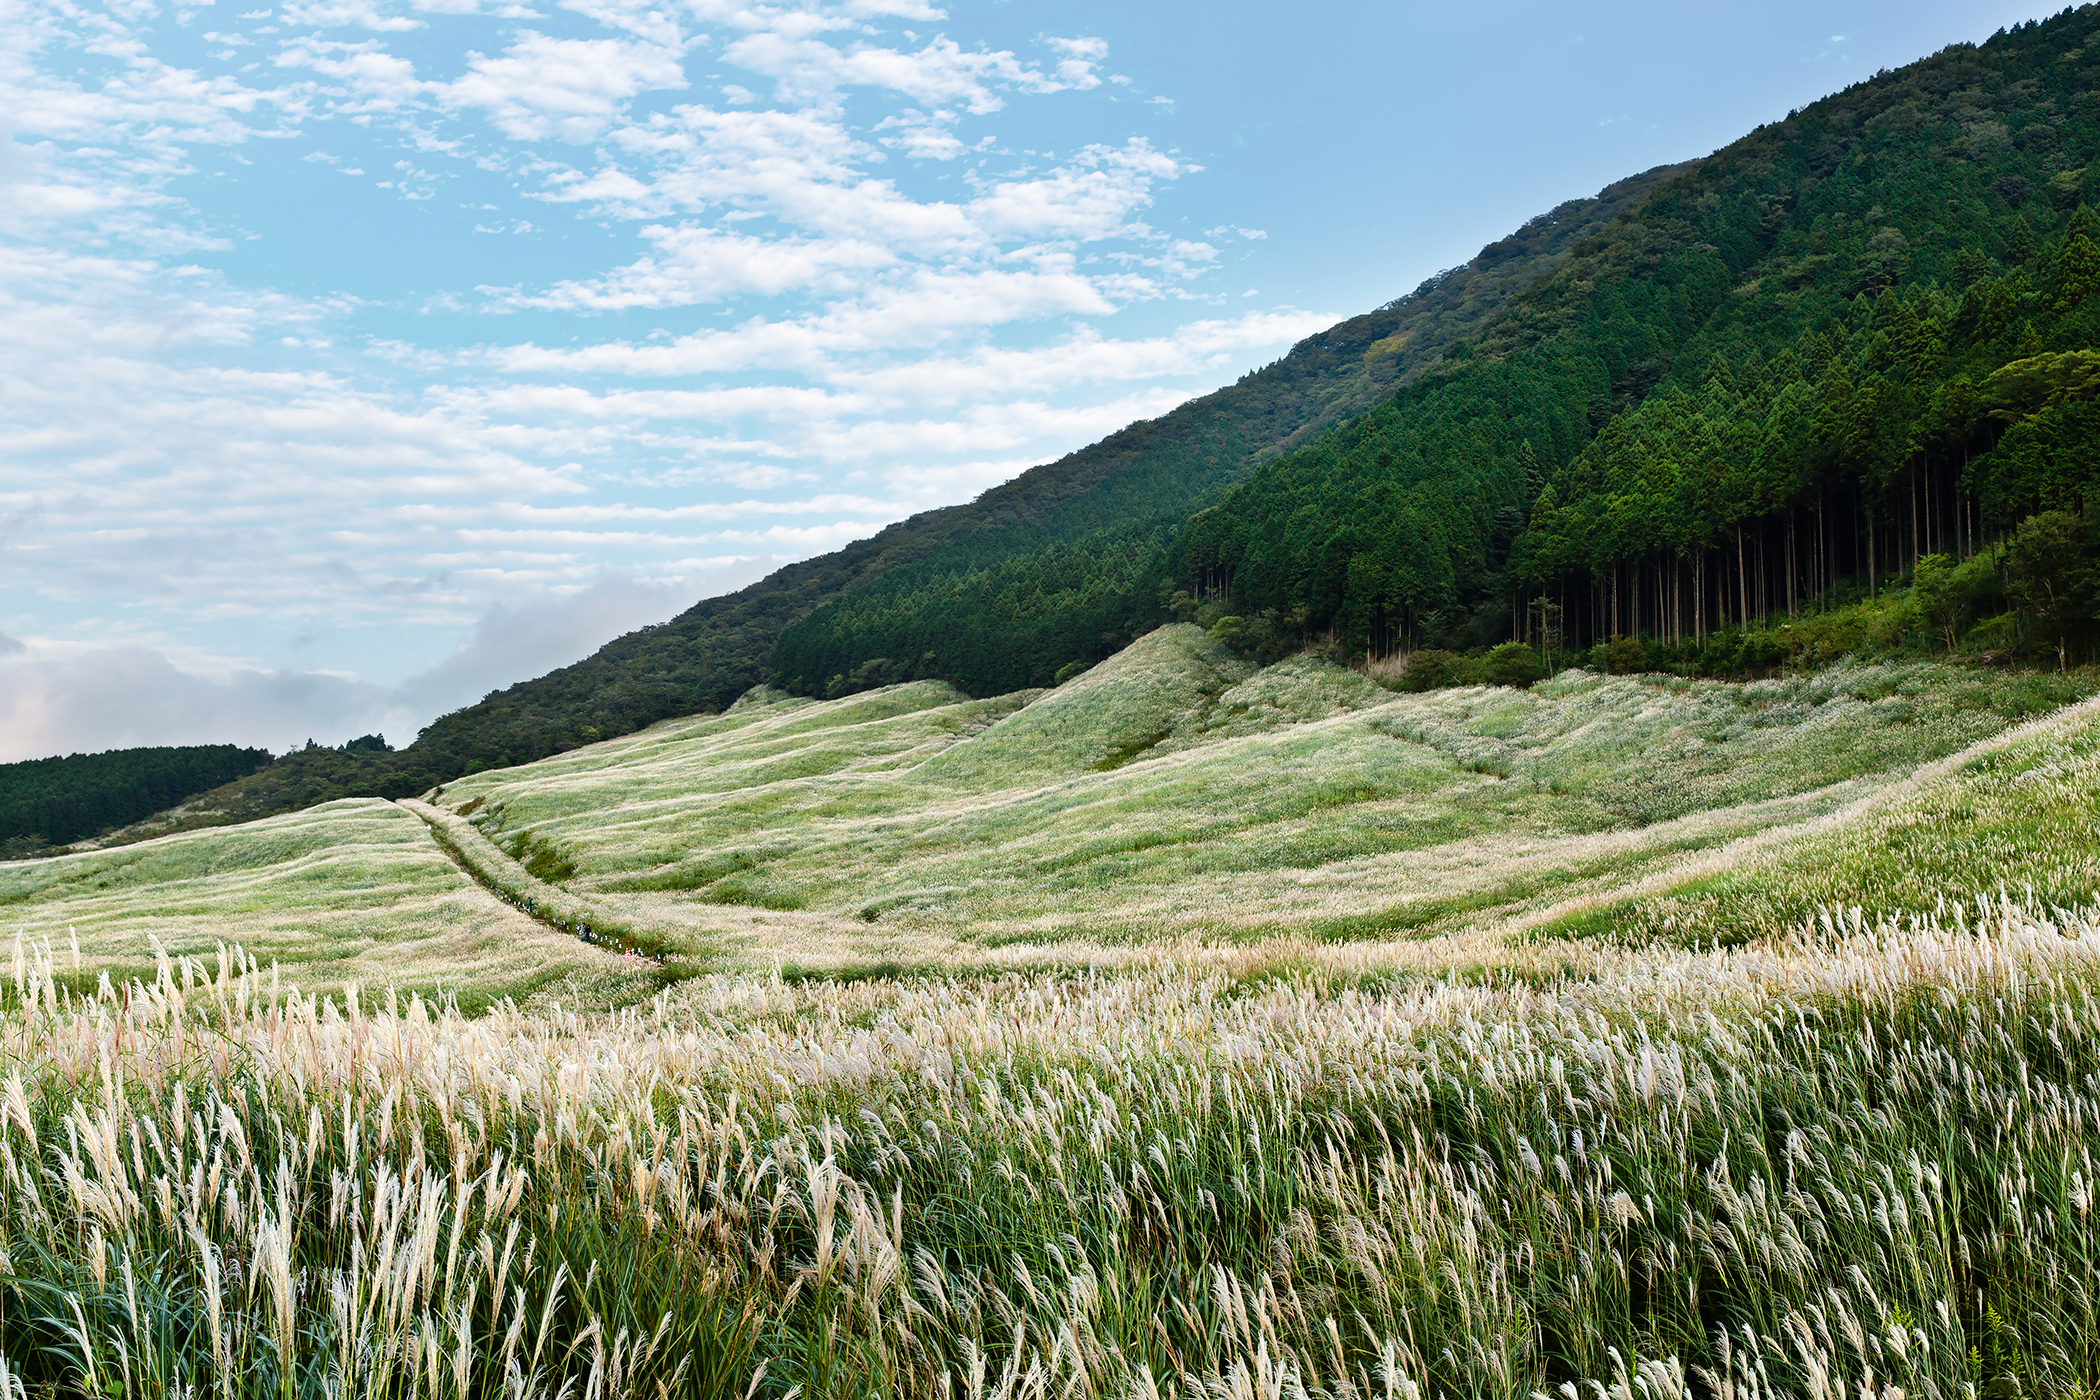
(1087, 516)
(1080, 511)
(1859, 347)
(56, 800)
(1854, 345)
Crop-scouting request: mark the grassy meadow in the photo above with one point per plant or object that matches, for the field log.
(1176, 793)
(1189, 1030)
(348, 892)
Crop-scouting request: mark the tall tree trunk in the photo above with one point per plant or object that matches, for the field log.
(1791, 569)
(1742, 581)
(1698, 562)
(1873, 558)
(1764, 579)
(1823, 563)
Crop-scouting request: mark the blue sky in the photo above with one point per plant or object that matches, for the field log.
(360, 356)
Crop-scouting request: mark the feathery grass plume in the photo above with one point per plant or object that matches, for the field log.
(1856, 1159)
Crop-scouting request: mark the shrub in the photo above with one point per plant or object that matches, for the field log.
(1621, 656)
(1515, 664)
(1428, 670)
(1761, 651)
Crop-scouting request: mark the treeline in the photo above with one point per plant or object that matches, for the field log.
(1850, 343)
(1028, 620)
(51, 801)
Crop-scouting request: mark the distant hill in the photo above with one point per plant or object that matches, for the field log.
(51, 801)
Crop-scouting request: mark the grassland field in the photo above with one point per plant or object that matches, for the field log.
(1172, 796)
(1189, 1029)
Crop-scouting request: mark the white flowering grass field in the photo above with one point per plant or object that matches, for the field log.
(1854, 1162)
(1175, 794)
(1174, 797)
(1250, 1036)
(351, 891)
(2017, 818)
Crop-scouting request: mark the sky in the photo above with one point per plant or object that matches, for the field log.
(359, 357)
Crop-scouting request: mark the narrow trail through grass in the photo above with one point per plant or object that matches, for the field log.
(355, 891)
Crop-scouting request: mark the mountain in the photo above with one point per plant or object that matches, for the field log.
(1856, 345)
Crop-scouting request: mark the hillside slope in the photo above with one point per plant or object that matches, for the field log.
(1176, 792)
(1854, 340)
(1173, 797)
(1150, 473)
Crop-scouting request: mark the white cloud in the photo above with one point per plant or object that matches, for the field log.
(922, 135)
(568, 89)
(808, 72)
(701, 264)
(271, 508)
(1090, 198)
(331, 14)
(372, 80)
(1092, 50)
(131, 696)
(57, 699)
(923, 308)
(530, 636)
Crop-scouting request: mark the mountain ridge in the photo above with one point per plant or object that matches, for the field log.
(706, 656)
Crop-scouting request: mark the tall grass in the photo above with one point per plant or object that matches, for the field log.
(350, 891)
(1175, 793)
(1854, 1163)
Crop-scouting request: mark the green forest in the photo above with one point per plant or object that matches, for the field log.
(1852, 350)
(1835, 388)
(1851, 353)
(50, 801)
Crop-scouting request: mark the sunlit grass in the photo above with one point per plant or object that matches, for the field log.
(1175, 792)
(1852, 1161)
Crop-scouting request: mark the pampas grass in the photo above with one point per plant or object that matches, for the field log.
(1856, 1161)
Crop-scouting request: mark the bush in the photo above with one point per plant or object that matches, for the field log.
(1761, 651)
(1621, 656)
(1515, 664)
(1428, 670)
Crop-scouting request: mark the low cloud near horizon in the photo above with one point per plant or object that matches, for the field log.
(86, 701)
